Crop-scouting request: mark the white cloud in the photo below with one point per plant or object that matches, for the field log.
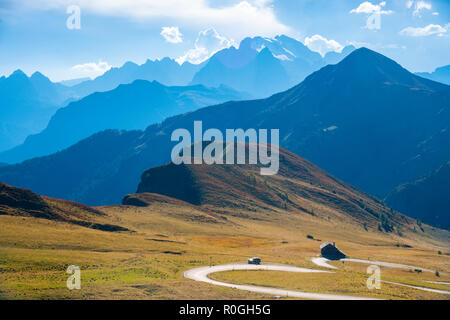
(369, 8)
(244, 18)
(322, 45)
(421, 5)
(435, 13)
(425, 31)
(172, 34)
(208, 42)
(90, 69)
(409, 4)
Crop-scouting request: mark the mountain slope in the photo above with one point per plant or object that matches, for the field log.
(22, 202)
(78, 172)
(27, 104)
(299, 186)
(132, 106)
(362, 120)
(426, 199)
(441, 74)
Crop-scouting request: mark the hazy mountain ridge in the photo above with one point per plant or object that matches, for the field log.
(441, 74)
(260, 67)
(27, 104)
(264, 66)
(129, 106)
(166, 71)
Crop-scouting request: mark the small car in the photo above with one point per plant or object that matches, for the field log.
(254, 260)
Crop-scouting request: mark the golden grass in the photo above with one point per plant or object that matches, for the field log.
(341, 282)
(167, 239)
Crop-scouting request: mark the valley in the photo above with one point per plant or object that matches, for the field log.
(245, 150)
(162, 233)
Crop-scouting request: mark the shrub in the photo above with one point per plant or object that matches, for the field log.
(385, 223)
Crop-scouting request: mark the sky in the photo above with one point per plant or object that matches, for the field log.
(66, 39)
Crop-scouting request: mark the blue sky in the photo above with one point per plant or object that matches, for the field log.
(34, 34)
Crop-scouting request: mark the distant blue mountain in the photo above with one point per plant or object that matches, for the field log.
(26, 105)
(260, 67)
(73, 82)
(264, 66)
(441, 74)
(166, 71)
(130, 106)
(261, 76)
(243, 69)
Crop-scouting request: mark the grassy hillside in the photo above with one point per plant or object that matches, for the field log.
(168, 237)
(25, 203)
(300, 187)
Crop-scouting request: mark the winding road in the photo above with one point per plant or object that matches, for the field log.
(322, 262)
(201, 274)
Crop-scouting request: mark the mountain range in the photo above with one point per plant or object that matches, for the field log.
(259, 66)
(27, 103)
(352, 119)
(166, 71)
(264, 66)
(73, 82)
(129, 106)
